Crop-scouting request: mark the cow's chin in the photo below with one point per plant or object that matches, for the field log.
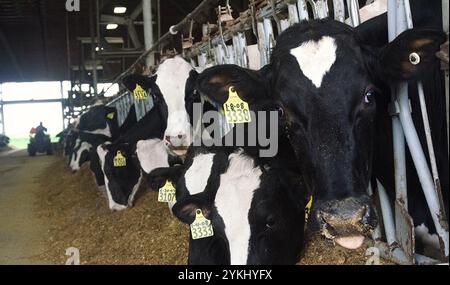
(178, 151)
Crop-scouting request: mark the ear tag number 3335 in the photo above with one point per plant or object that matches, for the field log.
(201, 227)
(167, 193)
(120, 160)
(236, 109)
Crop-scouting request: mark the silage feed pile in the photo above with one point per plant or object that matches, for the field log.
(77, 216)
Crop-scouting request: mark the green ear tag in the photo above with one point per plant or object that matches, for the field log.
(167, 193)
(110, 116)
(236, 109)
(120, 160)
(139, 93)
(201, 227)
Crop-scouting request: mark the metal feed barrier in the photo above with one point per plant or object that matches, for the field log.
(265, 19)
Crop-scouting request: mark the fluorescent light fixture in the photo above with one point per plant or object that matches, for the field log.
(120, 10)
(111, 26)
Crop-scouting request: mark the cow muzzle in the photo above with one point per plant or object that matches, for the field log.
(347, 221)
(176, 145)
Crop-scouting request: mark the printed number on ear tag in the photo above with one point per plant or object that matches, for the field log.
(236, 109)
(139, 93)
(201, 227)
(110, 116)
(167, 193)
(120, 160)
(308, 209)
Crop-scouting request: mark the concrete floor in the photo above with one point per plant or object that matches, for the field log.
(21, 231)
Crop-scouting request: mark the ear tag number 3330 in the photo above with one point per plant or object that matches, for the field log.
(201, 227)
(120, 160)
(139, 93)
(167, 193)
(236, 109)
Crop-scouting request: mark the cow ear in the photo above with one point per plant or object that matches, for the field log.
(132, 80)
(411, 54)
(185, 209)
(158, 177)
(215, 82)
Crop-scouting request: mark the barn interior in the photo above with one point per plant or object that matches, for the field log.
(59, 59)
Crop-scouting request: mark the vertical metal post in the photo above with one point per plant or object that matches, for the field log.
(353, 11)
(148, 29)
(302, 10)
(93, 46)
(339, 10)
(62, 104)
(445, 20)
(2, 116)
(397, 130)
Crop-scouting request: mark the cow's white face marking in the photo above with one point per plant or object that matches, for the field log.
(197, 175)
(233, 202)
(172, 76)
(316, 58)
(75, 160)
(152, 154)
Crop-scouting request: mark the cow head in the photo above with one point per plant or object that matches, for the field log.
(121, 180)
(169, 87)
(326, 83)
(255, 218)
(79, 154)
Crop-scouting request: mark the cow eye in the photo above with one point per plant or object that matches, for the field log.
(369, 96)
(270, 221)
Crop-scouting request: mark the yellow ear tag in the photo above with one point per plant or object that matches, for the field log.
(236, 109)
(110, 116)
(201, 227)
(139, 93)
(120, 160)
(308, 209)
(167, 193)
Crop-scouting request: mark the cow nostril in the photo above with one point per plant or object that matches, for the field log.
(167, 138)
(180, 136)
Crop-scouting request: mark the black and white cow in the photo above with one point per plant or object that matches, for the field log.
(164, 133)
(253, 208)
(256, 204)
(86, 138)
(99, 122)
(326, 82)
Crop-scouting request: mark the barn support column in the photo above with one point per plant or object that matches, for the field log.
(94, 43)
(148, 30)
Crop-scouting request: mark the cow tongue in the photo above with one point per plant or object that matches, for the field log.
(353, 242)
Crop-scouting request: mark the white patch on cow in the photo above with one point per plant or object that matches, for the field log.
(172, 76)
(75, 162)
(112, 205)
(152, 154)
(134, 191)
(197, 175)
(233, 202)
(316, 58)
(106, 131)
(429, 240)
